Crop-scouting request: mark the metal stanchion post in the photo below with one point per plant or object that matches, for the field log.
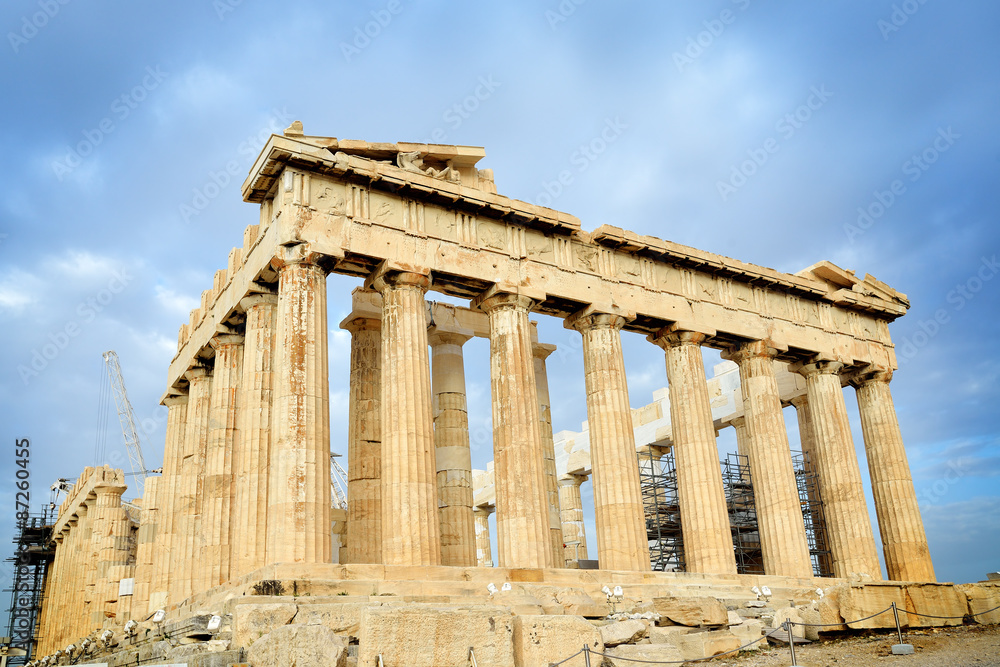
(787, 627)
(900, 648)
(586, 654)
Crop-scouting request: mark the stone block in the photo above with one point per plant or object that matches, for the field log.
(298, 646)
(622, 632)
(734, 618)
(432, 635)
(540, 640)
(697, 645)
(935, 600)
(576, 602)
(694, 612)
(982, 597)
(344, 619)
(811, 615)
(748, 631)
(630, 655)
(859, 602)
(789, 614)
(253, 621)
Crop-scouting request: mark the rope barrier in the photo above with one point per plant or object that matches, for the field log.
(786, 626)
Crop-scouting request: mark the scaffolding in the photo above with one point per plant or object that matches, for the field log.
(658, 481)
(33, 553)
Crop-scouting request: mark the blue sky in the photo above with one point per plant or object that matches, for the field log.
(755, 130)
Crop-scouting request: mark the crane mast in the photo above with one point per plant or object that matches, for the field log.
(127, 419)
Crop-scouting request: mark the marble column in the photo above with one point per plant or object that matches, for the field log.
(451, 446)
(298, 503)
(53, 583)
(187, 540)
(167, 546)
(110, 544)
(852, 543)
(223, 432)
(618, 510)
(70, 608)
(409, 489)
(522, 503)
(364, 443)
(708, 541)
(541, 352)
(251, 461)
(571, 510)
(904, 543)
(776, 498)
(91, 526)
(484, 552)
(742, 443)
(145, 545)
(807, 438)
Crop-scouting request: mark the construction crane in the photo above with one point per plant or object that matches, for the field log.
(338, 482)
(127, 419)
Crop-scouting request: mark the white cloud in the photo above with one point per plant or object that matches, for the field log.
(174, 302)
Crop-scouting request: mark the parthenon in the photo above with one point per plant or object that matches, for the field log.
(244, 498)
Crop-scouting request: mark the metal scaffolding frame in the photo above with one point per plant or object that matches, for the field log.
(658, 482)
(33, 553)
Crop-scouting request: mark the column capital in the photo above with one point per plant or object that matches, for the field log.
(817, 367)
(252, 300)
(750, 349)
(437, 336)
(799, 401)
(870, 374)
(572, 480)
(296, 254)
(542, 350)
(592, 316)
(223, 340)
(674, 337)
(356, 324)
(490, 301)
(176, 399)
(197, 372)
(386, 275)
(110, 489)
(484, 509)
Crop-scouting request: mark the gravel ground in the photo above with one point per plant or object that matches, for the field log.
(964, 646)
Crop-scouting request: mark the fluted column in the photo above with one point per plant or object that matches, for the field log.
(571, 511)
(223, 432)
(776, 499)
(167, 545)
(72, 613)
(708, 542)
(904, 543)
(484, 552)
(621, 526)
(522, 504)
(298, 516)
(92, 526)
(187, 505)
(742, 444)
(53, 583)
(451, 447)
(541, 352)
(364, 442)
(409, 493)
(111, 544)
(146, 538)
(852, 543)
(251, 461)
(807, 438)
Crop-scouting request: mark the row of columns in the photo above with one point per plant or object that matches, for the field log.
(93, 554)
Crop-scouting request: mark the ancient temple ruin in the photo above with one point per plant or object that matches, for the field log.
(243, 507)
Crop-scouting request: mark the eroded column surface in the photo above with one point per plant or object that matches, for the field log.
(187, 537)
(541, 352)
(223, 431)
(522, 503)
(364, 443)
(742, 444)
(251, 461)
(618, 511)
(73, 617)
(904, 543)
(298, 516)
(807, 440)
(145, 545)
(571, 510)
(852, 543)
(451, 445)
(776, 499)
(484, 552)
(111, 543)
(708, 542)
(166, 549)
(409, 493)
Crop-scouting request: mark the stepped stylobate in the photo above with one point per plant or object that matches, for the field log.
(245, 493)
